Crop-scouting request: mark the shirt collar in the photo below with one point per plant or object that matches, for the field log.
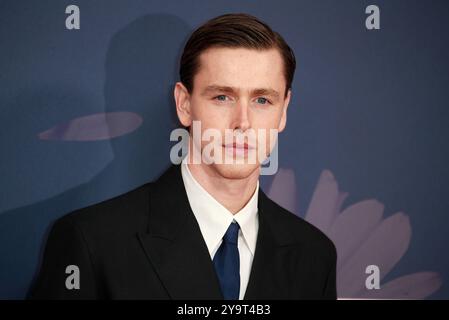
(214, 219)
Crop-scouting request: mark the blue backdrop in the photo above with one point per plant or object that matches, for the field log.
(368, 117)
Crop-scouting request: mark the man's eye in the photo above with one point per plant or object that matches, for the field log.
(221, 97)
(262, 100)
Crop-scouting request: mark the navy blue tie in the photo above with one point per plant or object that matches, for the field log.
(227, 263)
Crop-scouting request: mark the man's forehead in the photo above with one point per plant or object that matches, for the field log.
(234, 55)
(241, 68)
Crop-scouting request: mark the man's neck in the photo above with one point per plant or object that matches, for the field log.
(233, 194)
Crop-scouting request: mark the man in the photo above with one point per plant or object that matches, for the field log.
(204, 229)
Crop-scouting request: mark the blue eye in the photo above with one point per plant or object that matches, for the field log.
(262, 100)
(221, 97)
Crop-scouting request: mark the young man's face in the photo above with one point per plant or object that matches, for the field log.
(241, 90)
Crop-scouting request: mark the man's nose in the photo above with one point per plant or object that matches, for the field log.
(241, 116)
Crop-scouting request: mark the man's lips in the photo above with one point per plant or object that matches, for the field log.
(242, 146)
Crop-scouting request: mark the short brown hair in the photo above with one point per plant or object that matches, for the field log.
(238, 30)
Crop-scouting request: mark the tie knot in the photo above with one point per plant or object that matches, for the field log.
(232, 233)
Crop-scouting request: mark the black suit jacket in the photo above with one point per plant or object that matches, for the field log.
(146, 244)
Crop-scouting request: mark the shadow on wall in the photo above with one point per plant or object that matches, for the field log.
(139, 114)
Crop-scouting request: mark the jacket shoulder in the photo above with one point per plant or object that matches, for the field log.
(125, 211)
(290, 229)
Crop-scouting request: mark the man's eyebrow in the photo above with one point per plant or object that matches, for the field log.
(265, 92)
(227, 89)
(216, 88)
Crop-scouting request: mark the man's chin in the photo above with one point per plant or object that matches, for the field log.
(236, 171)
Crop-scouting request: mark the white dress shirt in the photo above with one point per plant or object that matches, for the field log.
(214, 219)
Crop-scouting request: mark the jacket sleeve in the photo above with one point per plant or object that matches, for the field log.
(67, 271)
(330, 290)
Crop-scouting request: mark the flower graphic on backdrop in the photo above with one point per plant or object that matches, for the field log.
(94, 127)
(362, 236)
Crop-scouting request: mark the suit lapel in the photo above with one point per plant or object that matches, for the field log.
(174, 244)
(262, 278)
(271, 275)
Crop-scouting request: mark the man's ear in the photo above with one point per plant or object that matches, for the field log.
(182, 100)
(283, 121)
